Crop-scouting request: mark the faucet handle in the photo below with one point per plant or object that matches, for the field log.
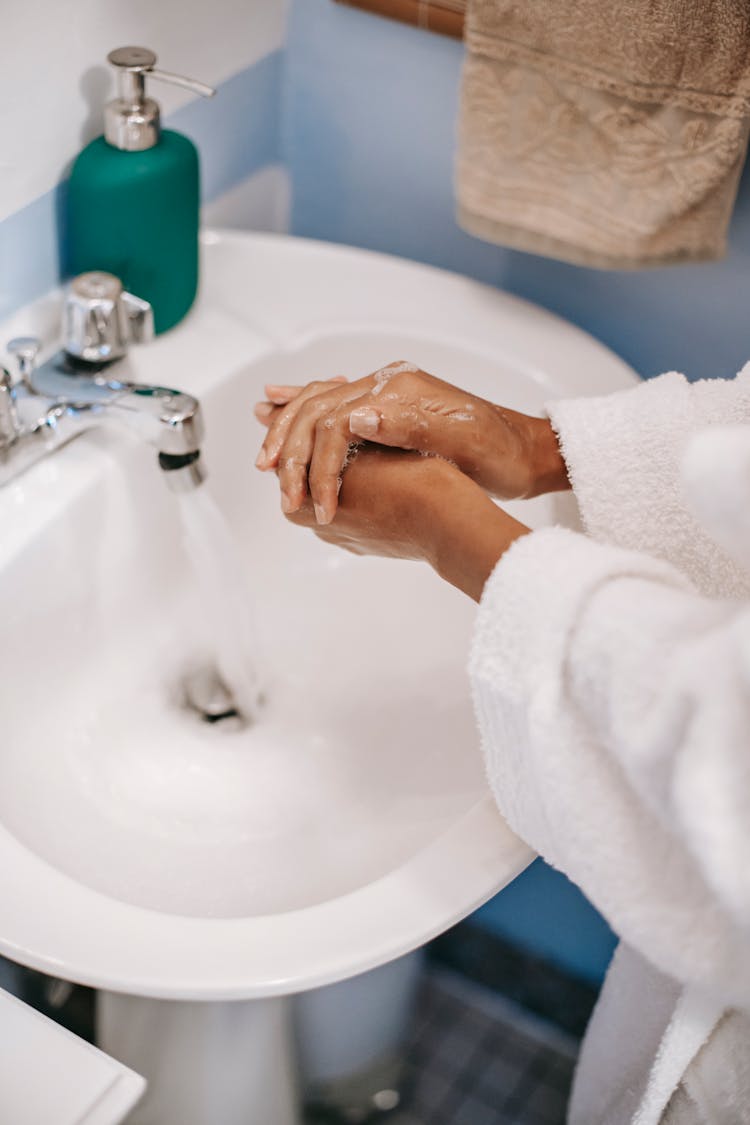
(140, 318)
(101, 320)
(24, 349)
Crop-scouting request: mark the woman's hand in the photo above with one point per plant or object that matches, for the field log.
(401, 505)
(311, 429)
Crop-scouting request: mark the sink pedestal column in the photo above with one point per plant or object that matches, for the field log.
(230, 1062)
(351, 1038)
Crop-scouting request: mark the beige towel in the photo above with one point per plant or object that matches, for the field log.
(607, 133)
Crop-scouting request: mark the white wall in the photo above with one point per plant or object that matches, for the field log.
(54, 78)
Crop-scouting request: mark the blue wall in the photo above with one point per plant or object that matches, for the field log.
(369, 136)
(544, 912)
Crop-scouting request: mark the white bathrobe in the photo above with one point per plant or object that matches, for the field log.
(611, 676)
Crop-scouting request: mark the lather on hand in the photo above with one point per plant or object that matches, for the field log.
(311, 429)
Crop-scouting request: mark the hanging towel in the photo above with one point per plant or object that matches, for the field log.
(608, 135)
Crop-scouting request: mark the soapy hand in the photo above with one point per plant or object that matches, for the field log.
(401, 505)
(312, 428)
(386, 505)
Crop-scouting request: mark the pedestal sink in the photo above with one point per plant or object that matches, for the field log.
(146, 854)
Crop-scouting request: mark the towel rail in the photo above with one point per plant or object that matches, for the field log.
(443, 16)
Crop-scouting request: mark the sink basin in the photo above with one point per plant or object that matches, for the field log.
(144, 851)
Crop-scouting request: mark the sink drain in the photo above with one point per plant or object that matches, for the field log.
(205, 695)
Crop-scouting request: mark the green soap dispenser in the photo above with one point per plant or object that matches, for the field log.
(134, 196)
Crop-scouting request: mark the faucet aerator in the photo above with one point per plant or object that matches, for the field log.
(184, 471)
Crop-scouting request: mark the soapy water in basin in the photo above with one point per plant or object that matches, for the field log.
(224, 598)
(353, 767)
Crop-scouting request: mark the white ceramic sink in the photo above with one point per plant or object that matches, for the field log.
(144, 852)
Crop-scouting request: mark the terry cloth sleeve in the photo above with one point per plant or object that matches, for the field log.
(614, 707)
(623, 452)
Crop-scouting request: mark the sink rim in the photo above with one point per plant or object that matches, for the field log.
(178, 957)
(262, 956)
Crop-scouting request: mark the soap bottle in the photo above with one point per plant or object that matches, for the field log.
(134, 196)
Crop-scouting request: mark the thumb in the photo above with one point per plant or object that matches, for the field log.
(400, 427)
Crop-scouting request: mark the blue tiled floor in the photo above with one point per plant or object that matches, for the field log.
(476, 1059)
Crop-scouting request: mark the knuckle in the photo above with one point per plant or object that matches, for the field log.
(311, 410)
(291, 466)
(322, 389)
(324, 424)
(289, 412)
(410, 418)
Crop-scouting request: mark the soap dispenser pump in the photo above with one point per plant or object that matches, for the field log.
(134, 195)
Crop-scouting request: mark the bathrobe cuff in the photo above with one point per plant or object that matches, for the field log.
(624, 451)
(523, 635)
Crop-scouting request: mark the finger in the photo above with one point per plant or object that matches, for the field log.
(277, 431)
(296, 453)
(302, 517)
(318, 420)
(329, 455)
(330, 394)
(281, 393)
(264, 412)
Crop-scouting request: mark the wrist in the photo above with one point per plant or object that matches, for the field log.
(547, 469)
(468, 534)
(519, 456)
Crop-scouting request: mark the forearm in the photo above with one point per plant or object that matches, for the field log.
(470, 533)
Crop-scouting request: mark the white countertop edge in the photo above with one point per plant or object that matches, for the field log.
(89, 1087)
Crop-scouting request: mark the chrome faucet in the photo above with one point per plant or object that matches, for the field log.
(46, 406)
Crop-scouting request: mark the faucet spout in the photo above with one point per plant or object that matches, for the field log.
(57, 402)
(168, 419)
